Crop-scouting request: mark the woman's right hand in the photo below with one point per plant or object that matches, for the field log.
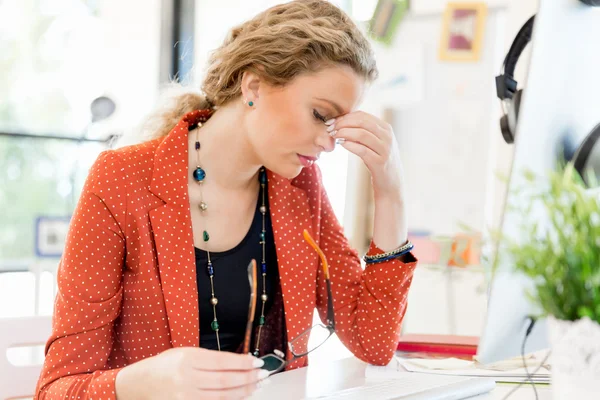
(184, 373)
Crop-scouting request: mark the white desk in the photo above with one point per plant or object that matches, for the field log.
(323, 378)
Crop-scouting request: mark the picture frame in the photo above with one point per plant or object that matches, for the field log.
(50, 236)
(386, 19)
(463, 31)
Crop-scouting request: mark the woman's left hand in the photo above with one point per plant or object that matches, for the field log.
(372, 140)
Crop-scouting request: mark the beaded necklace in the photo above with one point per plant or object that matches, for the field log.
(200, 176)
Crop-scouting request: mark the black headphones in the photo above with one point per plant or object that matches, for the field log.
(506, 85)
(587, 157)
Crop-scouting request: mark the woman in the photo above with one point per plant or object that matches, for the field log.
(153, 288)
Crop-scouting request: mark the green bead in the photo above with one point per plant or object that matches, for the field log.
(262, 320)
(214, 325)
(262, 236)
(206, 236)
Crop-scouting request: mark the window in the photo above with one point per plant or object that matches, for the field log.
(57, 57)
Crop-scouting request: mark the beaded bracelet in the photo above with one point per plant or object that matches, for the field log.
(400, 251)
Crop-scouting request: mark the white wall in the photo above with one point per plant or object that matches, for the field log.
(450, 140)
(444, 137)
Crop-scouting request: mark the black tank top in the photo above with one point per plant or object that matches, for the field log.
(232, 288)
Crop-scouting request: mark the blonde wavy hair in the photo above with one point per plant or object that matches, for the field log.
(279, 44)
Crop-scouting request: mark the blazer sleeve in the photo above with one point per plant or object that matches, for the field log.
(89, 291)
(369, 304)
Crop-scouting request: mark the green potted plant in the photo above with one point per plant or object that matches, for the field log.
(562, 259)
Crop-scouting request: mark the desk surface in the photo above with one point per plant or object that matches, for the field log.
(323, 378)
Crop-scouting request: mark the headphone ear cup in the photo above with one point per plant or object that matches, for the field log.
(506, 132)
(513, 112)
(508, 123)
(516, 106)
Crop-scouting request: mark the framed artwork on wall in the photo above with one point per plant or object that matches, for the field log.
(386, 19)
(462, 31)
(51, 235)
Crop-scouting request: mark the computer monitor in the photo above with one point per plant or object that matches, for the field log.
(560, 105)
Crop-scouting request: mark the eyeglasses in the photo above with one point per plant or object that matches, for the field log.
(300, 345)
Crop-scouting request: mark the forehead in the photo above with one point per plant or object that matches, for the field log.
(339, 84)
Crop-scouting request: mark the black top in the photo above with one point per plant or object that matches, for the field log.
(232, 288)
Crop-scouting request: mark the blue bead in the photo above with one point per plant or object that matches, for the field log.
(197, 145)
(211, 270)
(199, 174)
(264, 268)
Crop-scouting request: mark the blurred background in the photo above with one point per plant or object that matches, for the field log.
(77, 74)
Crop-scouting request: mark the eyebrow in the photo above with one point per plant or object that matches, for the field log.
(338, 109)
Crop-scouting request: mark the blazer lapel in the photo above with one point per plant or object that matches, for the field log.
(290, 215)
(172, 228)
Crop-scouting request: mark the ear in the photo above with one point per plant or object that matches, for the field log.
(250, 86)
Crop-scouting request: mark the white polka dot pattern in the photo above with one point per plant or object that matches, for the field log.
(369, 306)
(127, 279)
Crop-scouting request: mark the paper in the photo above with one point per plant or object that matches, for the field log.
(457, 367)
(446, 364)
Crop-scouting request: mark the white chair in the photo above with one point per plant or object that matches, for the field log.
(19, 381)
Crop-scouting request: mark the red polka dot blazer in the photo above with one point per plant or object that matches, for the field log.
(127, 278)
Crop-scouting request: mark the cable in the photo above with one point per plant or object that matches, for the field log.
(529, 375)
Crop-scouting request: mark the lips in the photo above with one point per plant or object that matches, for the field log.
(307, 161)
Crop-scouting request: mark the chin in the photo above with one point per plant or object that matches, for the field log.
(290, 172)
(287, 170)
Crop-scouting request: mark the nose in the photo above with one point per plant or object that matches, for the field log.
(326, 142)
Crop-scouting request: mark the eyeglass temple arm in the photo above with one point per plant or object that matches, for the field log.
(330, 318)
(314, 245)
(252, 280)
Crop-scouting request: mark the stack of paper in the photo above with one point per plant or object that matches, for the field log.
(506, 371)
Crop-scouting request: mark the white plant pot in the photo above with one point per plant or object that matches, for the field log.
(575, 359)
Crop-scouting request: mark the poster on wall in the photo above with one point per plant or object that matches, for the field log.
(51, 236)
(462, 31)
(386, 18)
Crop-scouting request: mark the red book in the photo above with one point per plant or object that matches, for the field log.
(449, 345)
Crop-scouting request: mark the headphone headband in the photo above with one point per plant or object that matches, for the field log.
(506, 85)
(516, 49)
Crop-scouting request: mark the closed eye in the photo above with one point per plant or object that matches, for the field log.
(319, 116)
